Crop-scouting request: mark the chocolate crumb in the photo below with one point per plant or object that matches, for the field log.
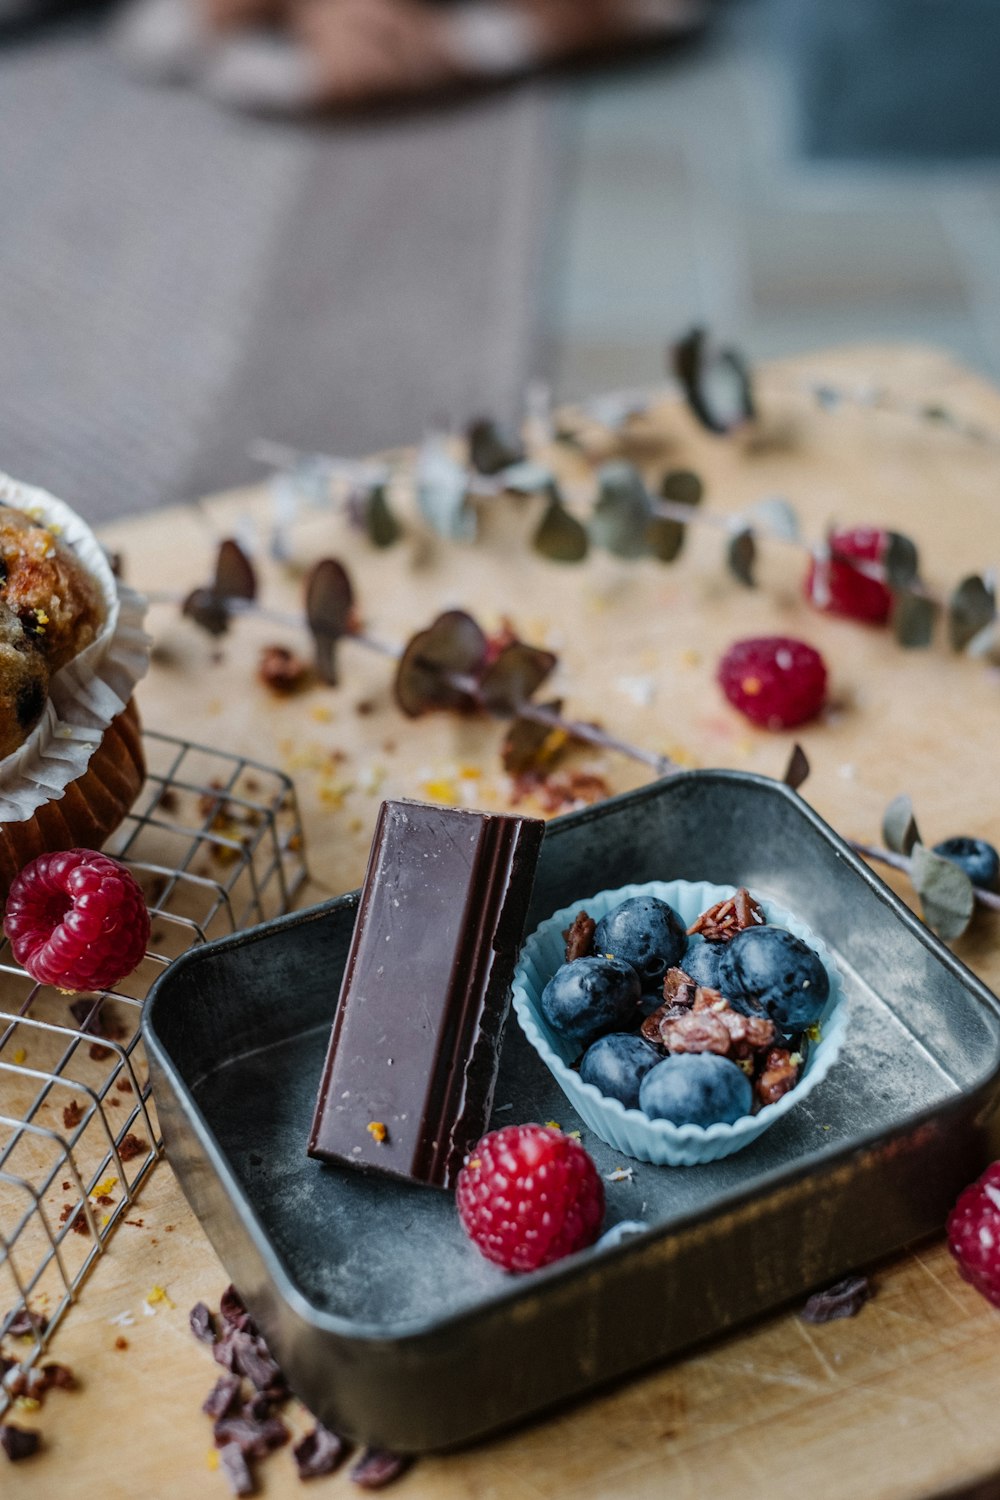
(168, 800)
(58, 1377)
(132, 1146)
(98, 1052)
(104, 1200)
(319, 1452)
(377, 1467)
(66, 1186)
(234, 1466)
(121, 1342)
(842, 1300)
(18, 1442)
(202, 1324)
(124, 1085)
(79, 1224)
(72, 1115)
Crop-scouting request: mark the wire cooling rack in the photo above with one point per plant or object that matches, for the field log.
(216, 842)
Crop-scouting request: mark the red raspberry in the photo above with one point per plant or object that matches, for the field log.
(839, 589)
(776, 681)
(77, 920)
(529, 1195)
(974, 1234)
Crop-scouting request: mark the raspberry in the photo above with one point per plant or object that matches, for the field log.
(76, 920)
(529, 1195)
(776, 681)
(974, 1234)
(839, 589)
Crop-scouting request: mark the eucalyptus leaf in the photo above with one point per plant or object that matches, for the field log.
(665, 534)
(514, 677)
(741, 555)
(900, 561)
(716, 383)
(527, 478)
(208, 610)
(683, 485)
(798, 768)
(442, 485)
(971, 607)
(899, 826)
(777, 516)
(235, 577)
(985, 644)
(945, 891)
(560, 536)
(913, 617)
(530, 746)
(380, 523)
(493, 447)
(452, 647)
(329, 613)
(622, 512)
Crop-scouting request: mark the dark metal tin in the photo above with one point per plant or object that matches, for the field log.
(387, 1323)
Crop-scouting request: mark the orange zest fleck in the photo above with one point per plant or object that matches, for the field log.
(377, 1131)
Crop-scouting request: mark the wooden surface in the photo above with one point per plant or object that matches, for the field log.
(898, 1402)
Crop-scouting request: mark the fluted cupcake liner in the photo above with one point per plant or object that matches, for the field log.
(629, 1130)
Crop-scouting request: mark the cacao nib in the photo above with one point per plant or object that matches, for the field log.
(202, 1324)
(223, 1397)
(18, 1442)
(319, 1452)
(234, 1466)
(376, 1468)
(579, 936)
(842, 1300)
(234, 1310)
(254, 1439)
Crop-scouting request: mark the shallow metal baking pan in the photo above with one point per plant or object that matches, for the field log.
(387, 1323)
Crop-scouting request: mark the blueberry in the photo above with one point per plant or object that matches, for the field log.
(701, 962)
(590, 996)
(768, 971)
(696, 1088)
(646, 933)
(616, 1065)
(976, 857)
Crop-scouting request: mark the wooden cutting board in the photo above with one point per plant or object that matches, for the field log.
(898, 1402)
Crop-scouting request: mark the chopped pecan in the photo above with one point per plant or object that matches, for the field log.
(679, 989)
(780, 1074)
(710, 1025)
(702, 1031)
(726, 918)
(579, 937)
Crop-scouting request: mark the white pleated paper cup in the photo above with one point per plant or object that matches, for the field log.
(629, 1130)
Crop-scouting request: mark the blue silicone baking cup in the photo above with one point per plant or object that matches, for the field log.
(629, 1130)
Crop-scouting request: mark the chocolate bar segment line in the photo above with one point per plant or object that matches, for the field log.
(408, 1081)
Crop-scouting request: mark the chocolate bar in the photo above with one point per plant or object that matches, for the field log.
(409, 1075)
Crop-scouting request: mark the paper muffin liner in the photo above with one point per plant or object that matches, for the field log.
(629, 1130)
(88, 692)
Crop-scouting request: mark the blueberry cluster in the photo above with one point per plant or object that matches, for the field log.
(694, 1026)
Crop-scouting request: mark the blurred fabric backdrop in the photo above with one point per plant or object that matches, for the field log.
(176, 280)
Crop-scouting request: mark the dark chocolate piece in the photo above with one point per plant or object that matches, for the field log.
(409, 1075)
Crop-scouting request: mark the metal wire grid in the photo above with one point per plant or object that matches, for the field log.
(216, 842)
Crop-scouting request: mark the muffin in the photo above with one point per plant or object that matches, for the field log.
(72, 648)
(58, 603)
(24, 682)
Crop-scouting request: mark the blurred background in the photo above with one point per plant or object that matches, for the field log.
(182, 271)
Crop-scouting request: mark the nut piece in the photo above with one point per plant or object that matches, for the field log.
(579, 937)
(780, 1074)
(281, 670)
(709, 1025)
(724, 920)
